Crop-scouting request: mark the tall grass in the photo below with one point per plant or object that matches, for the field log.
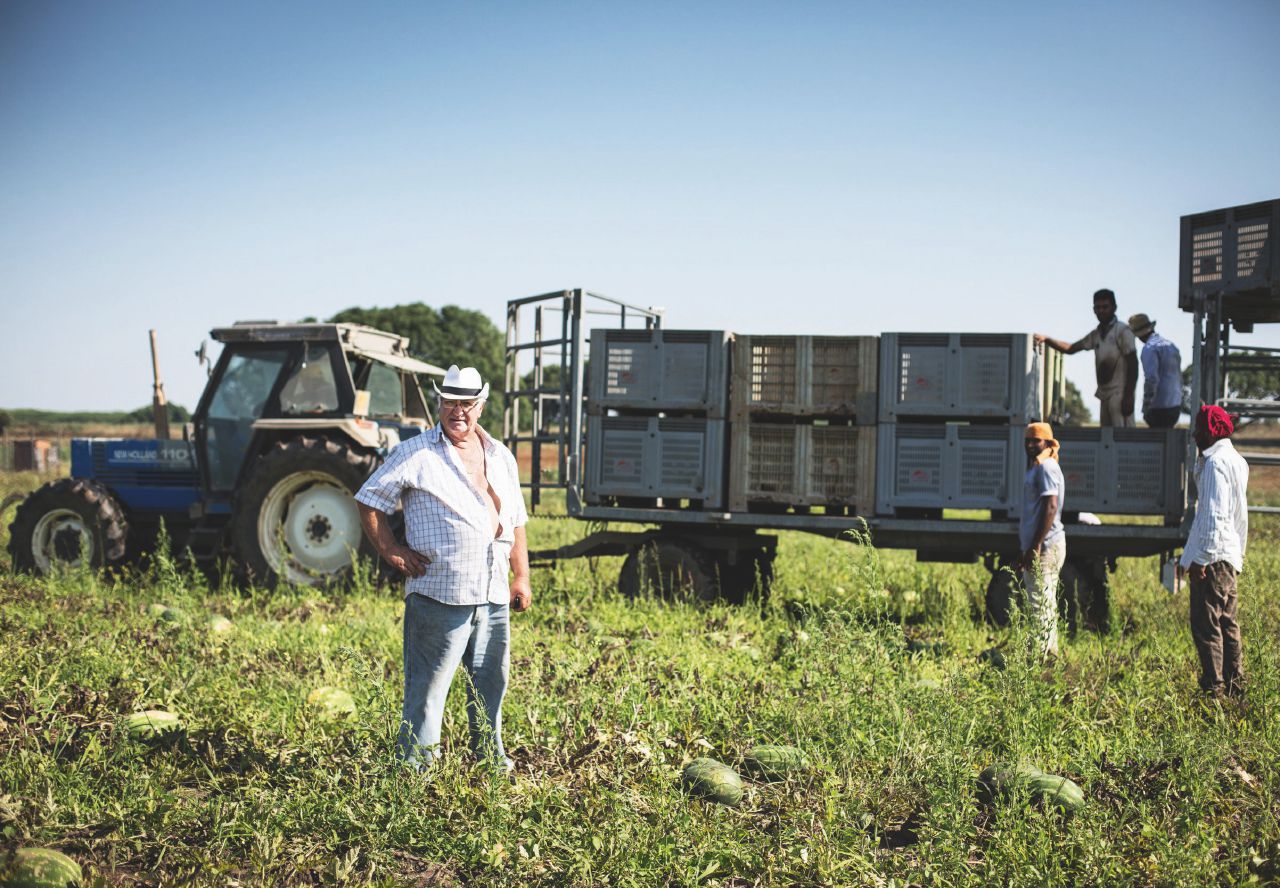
(608, 700)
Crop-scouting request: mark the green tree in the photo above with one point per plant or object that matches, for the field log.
(1074, 410)
(177, 414)
(452, 335)
(1251, 385)
(5, 421)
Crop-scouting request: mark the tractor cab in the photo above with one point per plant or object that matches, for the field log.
(293, 420)
(278, 380)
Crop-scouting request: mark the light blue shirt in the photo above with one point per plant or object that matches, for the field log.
(1162, 374)
(1043, 479)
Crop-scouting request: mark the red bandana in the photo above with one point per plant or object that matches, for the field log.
(1216, 421)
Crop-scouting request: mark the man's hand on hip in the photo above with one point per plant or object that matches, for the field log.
(521, 594)
(408, 561)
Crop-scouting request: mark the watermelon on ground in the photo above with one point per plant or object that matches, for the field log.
(332, 702)
(712, 780)
(993, 658)
(151, 725)
(769, 762)
(218, 624)
(166, 613)
(40, 868)
(1001, 780)
(1060, 792)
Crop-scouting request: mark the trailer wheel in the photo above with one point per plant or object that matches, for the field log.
(64, 519)
(1085, 593)
(670, 571)
(295, 518)
(752, 574)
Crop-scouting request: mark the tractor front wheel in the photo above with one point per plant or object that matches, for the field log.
(295, 518)
(67, 522)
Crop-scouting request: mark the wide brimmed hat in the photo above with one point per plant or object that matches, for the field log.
(462, 385)
(1140, 322)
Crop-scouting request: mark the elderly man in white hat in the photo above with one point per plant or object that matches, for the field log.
(464, 520)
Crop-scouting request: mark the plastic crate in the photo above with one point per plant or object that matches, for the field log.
(1124, 471)
(1233, 252)
(660, 370)
(652, 457)
(832, 376)
(963, 376)
(936, 466)
(788, 465)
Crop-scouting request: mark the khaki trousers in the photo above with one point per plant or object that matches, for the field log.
(1111, 415)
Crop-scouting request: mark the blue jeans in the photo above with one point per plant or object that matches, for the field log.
(437, 637)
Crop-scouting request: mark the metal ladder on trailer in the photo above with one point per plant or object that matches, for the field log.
(1213, 361)
(555, 414)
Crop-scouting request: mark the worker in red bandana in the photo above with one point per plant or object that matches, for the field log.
(1214, 554)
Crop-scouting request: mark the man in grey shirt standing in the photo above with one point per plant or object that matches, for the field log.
(1040, 533)
(1115, 360)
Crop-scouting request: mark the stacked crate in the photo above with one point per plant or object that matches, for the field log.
(952, 411)
(1124, 471)
(802, 412)
(656, 418)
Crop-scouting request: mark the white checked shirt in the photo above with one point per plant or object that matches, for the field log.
(448, 520)
(1220, 529)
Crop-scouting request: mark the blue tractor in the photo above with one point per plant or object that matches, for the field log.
(293, 420)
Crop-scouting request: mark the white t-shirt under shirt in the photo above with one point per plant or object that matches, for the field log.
(1110, 346)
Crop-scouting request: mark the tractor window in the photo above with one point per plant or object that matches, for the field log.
(312, 388)
(385, 397)
(242, 392)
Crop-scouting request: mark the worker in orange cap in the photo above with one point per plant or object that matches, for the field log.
(1040, 533)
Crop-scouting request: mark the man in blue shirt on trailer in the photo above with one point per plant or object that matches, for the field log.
(1161, 375)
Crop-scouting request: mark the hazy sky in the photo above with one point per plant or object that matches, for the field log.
(785, 167)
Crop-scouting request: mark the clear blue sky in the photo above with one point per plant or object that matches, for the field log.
(787, 167)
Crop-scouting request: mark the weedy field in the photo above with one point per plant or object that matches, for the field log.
(608, 700)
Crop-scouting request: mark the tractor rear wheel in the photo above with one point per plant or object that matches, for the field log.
(65, 520)
(670, 571)
(295, 518)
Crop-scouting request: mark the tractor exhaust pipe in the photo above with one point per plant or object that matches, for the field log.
(159, 408)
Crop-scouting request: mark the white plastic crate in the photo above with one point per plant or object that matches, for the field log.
(652, 457)
(833, 376)
(948, 466)
(1124, 471)
(782, 464)
(961, 376)
(660, 370)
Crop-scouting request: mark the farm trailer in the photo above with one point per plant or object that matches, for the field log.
(672, 431)
(708, 474)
